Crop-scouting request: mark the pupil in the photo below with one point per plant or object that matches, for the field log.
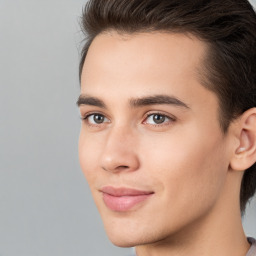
(98, 119)
(158, 119)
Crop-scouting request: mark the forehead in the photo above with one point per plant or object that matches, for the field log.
(143, 55)
(143, 64)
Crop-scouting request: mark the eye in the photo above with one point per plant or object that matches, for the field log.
(96, 119)
(158, 119)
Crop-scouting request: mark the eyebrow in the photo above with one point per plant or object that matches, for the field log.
(92, 101)
(157, 100)
(135, 103)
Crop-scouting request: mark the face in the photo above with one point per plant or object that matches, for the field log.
(150, 146)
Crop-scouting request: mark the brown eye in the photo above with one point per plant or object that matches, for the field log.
(98, 119)
(159, 119)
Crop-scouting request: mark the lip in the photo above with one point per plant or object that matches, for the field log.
(123, 199)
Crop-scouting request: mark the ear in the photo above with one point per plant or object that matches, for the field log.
(244, 155)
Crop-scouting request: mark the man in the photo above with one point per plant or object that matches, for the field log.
(168, 136)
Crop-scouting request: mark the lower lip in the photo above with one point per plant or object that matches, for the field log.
(123, 203)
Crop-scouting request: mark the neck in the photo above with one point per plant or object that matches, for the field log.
(219, 232)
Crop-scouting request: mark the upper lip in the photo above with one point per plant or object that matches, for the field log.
(123, 191)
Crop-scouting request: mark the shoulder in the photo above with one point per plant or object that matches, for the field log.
(252, 251)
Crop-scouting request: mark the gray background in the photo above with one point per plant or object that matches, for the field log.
(45, 203)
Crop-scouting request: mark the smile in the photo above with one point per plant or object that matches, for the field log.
(123, 199)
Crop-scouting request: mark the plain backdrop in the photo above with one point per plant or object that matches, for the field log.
(45, 204)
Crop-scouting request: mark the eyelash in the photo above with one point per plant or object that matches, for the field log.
(170, 119)
(85, 118)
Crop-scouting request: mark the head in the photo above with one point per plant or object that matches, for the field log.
(168, 95)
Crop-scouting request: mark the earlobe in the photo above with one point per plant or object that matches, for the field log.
(244, 155)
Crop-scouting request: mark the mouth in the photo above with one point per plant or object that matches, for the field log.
(123, 199)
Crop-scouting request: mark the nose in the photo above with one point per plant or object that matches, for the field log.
(119, 153)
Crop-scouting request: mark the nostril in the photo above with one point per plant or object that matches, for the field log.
(118, 168)
(122, 167)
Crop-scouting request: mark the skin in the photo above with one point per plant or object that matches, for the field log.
(186, 160)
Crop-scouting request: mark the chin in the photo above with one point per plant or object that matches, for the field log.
(130, 233)
(125, 233)
(126, 241)
(122, 235)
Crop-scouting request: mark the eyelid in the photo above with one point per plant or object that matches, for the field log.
(90, 113)
(162, 113)
(86, 116)
(170, 117)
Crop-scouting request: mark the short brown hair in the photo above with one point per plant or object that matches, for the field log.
(228, 27)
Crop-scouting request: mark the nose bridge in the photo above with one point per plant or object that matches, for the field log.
(119, 152)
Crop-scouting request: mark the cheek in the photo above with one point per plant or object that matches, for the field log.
(88, 150)
(188, 165)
